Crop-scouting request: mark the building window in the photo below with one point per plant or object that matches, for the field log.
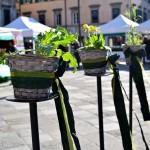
(115, 12)
(144, 16)
(74, 15)
(94, 16)
(41, 0)
(27, 14)
(6, 16)
(25, 1)
(116, 9)
(42, 16)
(94, 13)
(57, 17)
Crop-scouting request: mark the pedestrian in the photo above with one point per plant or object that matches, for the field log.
(11, 48)
(147, 48)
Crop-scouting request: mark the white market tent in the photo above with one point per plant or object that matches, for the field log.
(16, 35)
(28, 23)
(6, 36)
(144, 27)
(25, 32)
(119, 25)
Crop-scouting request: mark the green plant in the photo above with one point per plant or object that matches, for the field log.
(94, 40)
(2, 56)
(48, 44)
(133, 37)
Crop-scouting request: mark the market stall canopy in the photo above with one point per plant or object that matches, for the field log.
(119, 25)
(25, 32)
(144, 27)
(6, 36)
(23, 23)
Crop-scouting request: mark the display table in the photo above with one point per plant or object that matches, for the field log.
(33, 117)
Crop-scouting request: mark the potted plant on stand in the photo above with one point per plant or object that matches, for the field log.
(32, 74)
(134, 40)
(35, 76)
(134, 52)
(59, 42)
(94, 54)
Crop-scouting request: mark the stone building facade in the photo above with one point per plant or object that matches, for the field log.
(65, 12)
(7, 11)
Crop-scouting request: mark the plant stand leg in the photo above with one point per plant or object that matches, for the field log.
(100, 112)
(34, 126)
(130, 99)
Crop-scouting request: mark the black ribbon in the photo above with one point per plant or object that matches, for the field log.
(136, 72)
(70, 116)
(120, 105)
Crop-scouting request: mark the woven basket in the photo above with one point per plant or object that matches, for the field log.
(133, 49)
(94, 61)
(32, 75)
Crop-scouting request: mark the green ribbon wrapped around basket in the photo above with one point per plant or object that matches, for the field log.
(35, 74)
(94, 63)
(32, 80)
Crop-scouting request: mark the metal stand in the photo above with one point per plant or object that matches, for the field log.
(33, 117)
(34, 126)
(100, 112)
(130, 99)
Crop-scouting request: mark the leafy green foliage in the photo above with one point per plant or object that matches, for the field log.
(94, 40)
(3, 56)
(47, 44)
(133, 37)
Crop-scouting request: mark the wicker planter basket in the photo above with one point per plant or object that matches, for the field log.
(133, 49)
(32, 75)
(94, 61)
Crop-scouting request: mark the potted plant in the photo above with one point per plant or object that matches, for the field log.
(94, 54)
(32, 74)
(134, 41)
(134, 52)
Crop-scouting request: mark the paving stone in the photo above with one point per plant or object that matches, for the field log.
(10, 140)
(19, 148)
(15, 130)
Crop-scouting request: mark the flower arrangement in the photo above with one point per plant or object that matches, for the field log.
(133, 37)
(94, 54)
(94, 39)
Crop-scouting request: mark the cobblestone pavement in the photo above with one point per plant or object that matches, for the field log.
(15, 133)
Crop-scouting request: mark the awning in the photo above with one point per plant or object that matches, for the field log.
(6, 36)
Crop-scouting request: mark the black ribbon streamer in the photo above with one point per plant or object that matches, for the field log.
(120, 107)
(136, 72)
(70, 116)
